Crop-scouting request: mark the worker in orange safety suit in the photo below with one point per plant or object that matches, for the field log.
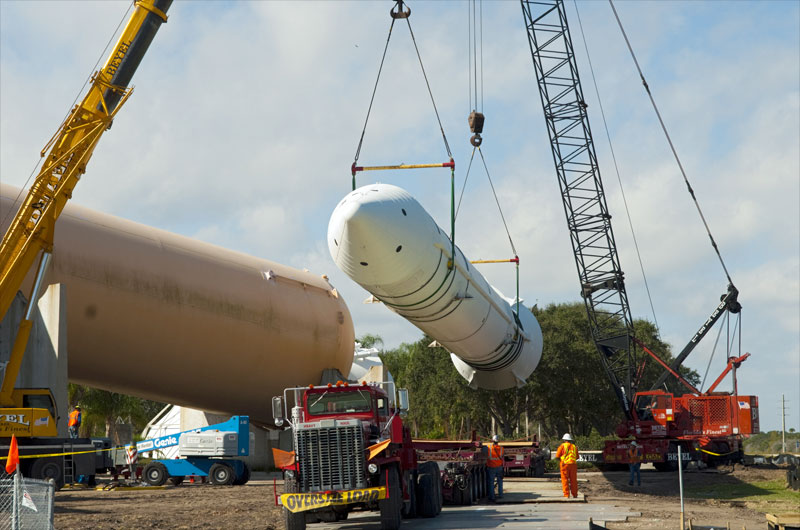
(568, 453)
(494, 469)
(75, 418)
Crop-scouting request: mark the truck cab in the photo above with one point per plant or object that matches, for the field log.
(350, 448)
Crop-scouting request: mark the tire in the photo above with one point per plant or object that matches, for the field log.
(292, 521)
(410, 507)
(538, 470)
(437, 485)
(155, 474)
(49, 468)
(175, 481)
(221, 474)
(426, 503)
(392, 506)
(244, 477)
(466, 494)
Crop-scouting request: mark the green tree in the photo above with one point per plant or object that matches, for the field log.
(370, 341)
(568, 392)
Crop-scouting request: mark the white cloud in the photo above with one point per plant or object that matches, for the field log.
(246, 117)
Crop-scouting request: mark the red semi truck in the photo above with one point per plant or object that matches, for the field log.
(351, 450)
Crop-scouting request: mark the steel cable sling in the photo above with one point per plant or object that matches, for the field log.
(397, 12)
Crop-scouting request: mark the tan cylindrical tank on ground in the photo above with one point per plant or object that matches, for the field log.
(165, 317)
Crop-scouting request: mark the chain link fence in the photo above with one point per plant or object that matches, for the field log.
(25, 504)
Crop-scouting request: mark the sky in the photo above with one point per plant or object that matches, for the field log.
(246, 116)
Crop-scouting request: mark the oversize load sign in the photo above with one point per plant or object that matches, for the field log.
(300, 502)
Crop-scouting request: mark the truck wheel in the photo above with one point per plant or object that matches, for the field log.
(426, 503)
(393, 505)
(538, 470)
(48, 468)
(175, 481)
(292, 521)
(476, 489)
(410, 507)
(155, 474)
(221, 474)
(244, 478)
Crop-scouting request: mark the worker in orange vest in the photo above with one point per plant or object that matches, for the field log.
(74, 422)
(568, 453)
(495, 469)
(635, 458)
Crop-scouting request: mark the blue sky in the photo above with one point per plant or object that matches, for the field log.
(246, 117)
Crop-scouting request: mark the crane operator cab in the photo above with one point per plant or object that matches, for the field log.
(656, 407)
(645, 406)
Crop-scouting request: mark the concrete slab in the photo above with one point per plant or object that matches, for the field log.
(526, 490)
(507, 516)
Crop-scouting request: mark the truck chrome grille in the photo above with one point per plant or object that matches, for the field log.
(331, 455)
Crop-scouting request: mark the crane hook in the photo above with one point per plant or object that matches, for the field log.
(397, 10)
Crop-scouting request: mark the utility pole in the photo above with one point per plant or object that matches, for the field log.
(783, 422)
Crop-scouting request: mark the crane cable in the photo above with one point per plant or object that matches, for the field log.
(64, 119)
(671, 145)
(397, 12)
(475, 49)
(616, 169)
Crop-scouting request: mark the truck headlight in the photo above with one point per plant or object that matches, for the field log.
(289, 474)
(372, 468)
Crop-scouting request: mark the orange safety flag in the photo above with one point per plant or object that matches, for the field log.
(375, 450)
(13, 456)
(283, 458)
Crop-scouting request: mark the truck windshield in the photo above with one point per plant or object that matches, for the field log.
(333, 402)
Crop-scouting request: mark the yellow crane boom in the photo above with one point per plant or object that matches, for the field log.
(31, 231)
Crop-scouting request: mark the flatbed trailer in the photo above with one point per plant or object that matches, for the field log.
(524, 456)
(462, 467)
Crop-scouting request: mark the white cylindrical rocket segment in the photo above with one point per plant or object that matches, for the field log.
(382, 238)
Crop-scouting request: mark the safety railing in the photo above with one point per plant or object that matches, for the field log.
(25, 504)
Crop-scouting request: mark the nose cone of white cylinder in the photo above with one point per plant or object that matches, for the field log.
(385, 241)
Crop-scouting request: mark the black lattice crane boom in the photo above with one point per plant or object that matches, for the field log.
(589, 223)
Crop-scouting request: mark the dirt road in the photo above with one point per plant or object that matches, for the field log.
(252, 506)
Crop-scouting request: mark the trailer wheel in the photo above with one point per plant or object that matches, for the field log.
(155, 474)
(392, 506)
(426, 503)
(48, 468)
(437, 486)
(292, 521)
(465, 495)
(538, 470)
(221, 474)
(244, 477)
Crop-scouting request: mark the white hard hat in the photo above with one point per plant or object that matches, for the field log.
(495, 438)
(635, 443)
(567, 436)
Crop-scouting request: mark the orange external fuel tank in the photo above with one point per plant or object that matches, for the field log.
(165, 317)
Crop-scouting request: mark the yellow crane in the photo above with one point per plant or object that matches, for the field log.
(31, 412)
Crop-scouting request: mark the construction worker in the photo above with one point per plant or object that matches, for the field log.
(568, 453)
(74, 422)
(495, 469)
(635, 457)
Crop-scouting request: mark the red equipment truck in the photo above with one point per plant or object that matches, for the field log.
(352, 450)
